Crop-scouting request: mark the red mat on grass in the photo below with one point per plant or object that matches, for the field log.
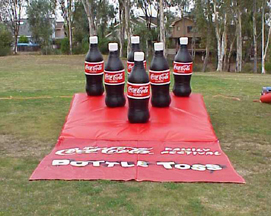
(178, 144)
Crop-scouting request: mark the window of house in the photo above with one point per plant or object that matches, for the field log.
(189, 29)
(178, 28)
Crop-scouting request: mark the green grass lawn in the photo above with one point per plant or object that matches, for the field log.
(32, 113)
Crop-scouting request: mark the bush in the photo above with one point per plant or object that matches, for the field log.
(77, 49)
(23, 39)
(65, 46)
(85, 45)
(197, 67)
(81, 48)
(103, 45)
(247, 68)
(5, 41)
(267, 67)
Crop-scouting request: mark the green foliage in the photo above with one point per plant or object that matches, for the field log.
(267, 67)
(145, 34)
(80, 23)
(5, 40)
(81, 48)
(58, 43)
(23, 39)
(39, 14)
(65, 46)
(247, 68)
(103, 45)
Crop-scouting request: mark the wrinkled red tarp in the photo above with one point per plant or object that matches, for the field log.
(178, 144)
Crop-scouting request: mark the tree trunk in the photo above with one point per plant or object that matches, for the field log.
(219, 40)
(263, 43)
(206, 59)
(229, 55)
(255, 36)
(266, 47)
(91, 25)
(70, 26)
(127, 24)
(121, 26)
(162, 25)
(225, 43)
(15, 42)
(208, 42)
(15, 19)
(239, 41)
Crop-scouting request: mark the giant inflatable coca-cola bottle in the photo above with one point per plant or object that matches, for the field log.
(182, 70)
(138, 91)
(135, 41)
(114, 78)
(94, 69)
(160, 78)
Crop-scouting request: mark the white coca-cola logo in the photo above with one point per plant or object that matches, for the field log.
(130, 66)
(159, 77)
(140, 90)
(182, 67)
(97, 67)
(114, 77)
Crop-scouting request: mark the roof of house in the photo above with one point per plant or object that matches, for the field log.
(59, 24)
(154, 20)
(178, 20)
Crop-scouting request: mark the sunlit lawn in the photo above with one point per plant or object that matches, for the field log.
(35, 94)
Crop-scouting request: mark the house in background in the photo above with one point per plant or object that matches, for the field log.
(58, 33)
(59, 30)
(184, 27)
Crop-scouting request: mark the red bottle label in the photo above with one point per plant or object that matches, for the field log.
(114, 77)
(130, 66)
(94, 68)
(182, 68)
(138, 91)
(159, 77)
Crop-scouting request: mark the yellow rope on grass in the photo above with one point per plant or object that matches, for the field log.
(33, 98)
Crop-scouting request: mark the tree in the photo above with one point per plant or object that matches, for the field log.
(183, 6)
(121, 25)
(11, 11)
(67, 7)
(266, 20)
(5, 40)
(39, 14)
(239, 40)
(162, 24)
(255, 36)
(127, 6)
(220, 21)
(204, 24)
(80, 23)
(88, 6)
(146, 6)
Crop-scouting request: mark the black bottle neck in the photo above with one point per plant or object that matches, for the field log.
(183, 47)
(114, 53)
(135, 47)
(139, 64)
(93, 47)
(159, 53)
